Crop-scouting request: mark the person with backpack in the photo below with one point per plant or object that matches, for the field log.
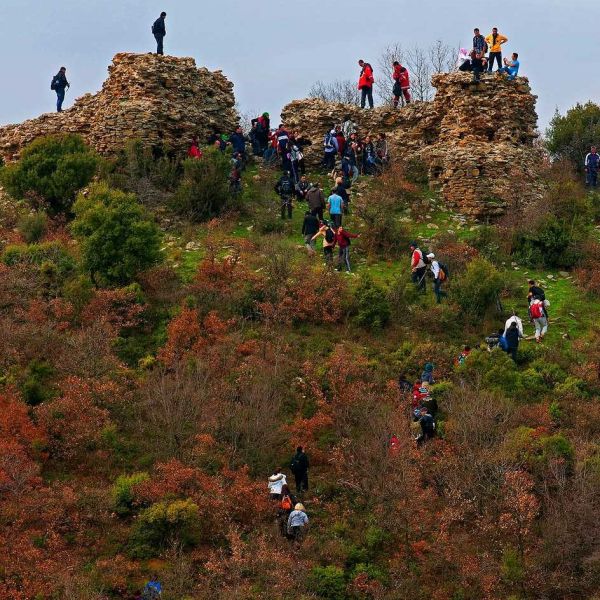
(427, 374)
(510, 340)
(152, 589)
(328, 242)
(513, 319)
(365, 83)
(285, 508)
(315, 200)
(350, 157)
(401, 83)
(539, 318)
(478, 54)
(285, 188)
(299, 468)
(494, 42)
(59, 84)
(418, 267)
(160, 31)
(330, 150)
(440, 275)
(335, 206)
(275, 484)
(427, 423)
(297, 523)
(310, 228)
(592, 165)
(342, 239)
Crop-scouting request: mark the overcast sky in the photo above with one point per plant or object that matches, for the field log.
(273, 50)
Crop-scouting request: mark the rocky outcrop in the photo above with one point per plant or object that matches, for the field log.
(477, 141)
(158, 99)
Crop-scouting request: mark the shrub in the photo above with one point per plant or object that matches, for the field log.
(122, 491)
(35, 387)
(372, 305)
(478, 288)
(328, 582)
(164, 523)
(41, 256)
(52, 167)
(118, 239)
(204, 190)
(33, 227)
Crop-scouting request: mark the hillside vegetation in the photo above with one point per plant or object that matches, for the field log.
(166, 346)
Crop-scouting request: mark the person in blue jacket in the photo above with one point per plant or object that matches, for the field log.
(238, 143)
(59, 85)
(511, 67)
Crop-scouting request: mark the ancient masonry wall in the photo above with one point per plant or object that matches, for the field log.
(159, 99)
(477, 141)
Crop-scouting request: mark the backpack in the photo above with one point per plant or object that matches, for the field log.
(329, 237)
(53, 83)
(424, 258)
(329, 141)
(286, 503)
(150, 593)
(286, 187)
(444, 273)
(536, 310)
(503, 343)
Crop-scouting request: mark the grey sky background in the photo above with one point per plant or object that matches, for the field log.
(273, 50)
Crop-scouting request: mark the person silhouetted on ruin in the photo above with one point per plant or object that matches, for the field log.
(592, 165)
(511, 67)
(401, 83)
(159, 30)
(365, 83)
(494, 42)
(59, 85)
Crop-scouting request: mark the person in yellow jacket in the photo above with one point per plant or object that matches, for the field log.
(495, 41)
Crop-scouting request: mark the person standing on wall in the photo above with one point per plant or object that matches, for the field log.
(495, 41)
(365, 83)
(59, 84)
(159, 30)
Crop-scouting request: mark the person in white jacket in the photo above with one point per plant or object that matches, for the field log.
(276, 482)
(514, 319)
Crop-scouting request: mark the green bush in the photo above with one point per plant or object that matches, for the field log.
(372, 305)
(557, 446)
(35, 388)
(45, 256)
(33, 227)
(512, 566)
(328, 582)
(54, 168)
(478, 288)
(118, 239)
(122, 492)
(204, 190)
(164, 523)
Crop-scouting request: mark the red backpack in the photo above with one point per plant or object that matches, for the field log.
(536, 310)
(286, 503)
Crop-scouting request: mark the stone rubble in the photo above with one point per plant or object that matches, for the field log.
(158, 99)
(476, 141)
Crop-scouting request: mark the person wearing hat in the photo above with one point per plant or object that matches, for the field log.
(418, 267)
(297, 521)
(437, 278)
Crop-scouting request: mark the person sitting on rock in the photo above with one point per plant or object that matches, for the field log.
(160, 31)
(464, 61)
(511, 67)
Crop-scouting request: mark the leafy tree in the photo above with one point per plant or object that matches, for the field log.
(204, 190)
(570, 136)
(52, 167)
(118, 239)
(478, 288)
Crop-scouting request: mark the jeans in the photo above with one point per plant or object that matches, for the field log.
(286, 204)
(159, 43)
(344, 258)
(301, 482)
(60, 98)
(366, 92)
(329, 160)
(317, 212)
(591, 178)
(505, 70)
(437, 290)
(328, 255)
(494, 56)
(541, 327)
(337, 220)
(477, 65)
(418, 278)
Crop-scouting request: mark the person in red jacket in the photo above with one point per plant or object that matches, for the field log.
(401, 83)
(365, 83)
(194, 150)
(342, 239)
(418, 266)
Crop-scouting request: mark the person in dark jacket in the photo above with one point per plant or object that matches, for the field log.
(159, 30)
(302, 188)
(341, 190)
(310, 227)
(478, 55)
(59, 85)
(316, 200)
(238, 143)
(427, 423)
(299, 467)
(513, 335)
(285, 188)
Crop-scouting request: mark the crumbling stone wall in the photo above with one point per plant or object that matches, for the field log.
(159, 99)
(477, 141)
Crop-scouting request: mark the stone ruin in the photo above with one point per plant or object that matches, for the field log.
(476, 141)
(162, 100)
